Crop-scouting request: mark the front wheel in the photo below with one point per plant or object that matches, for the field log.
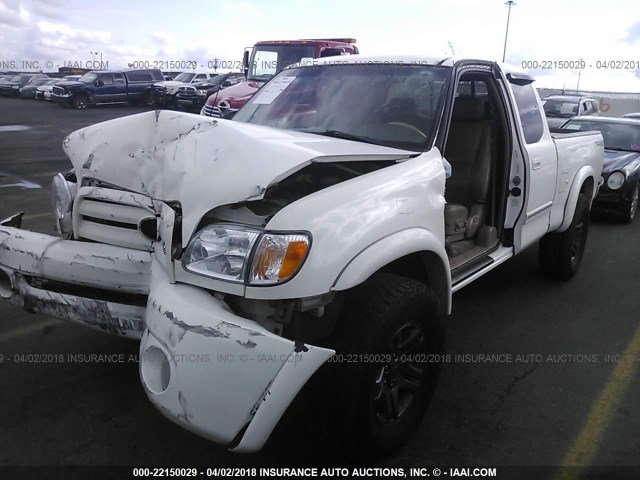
(560, 254)
(388, 347)
(630, 205)
(80, 102)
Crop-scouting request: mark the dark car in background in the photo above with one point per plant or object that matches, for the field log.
(103, 87)
(29, 90)
(191, 98)
(15, 83)
(559, 108)
(620, 181)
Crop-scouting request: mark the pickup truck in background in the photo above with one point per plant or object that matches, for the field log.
(320, 223)
(165, 91)
(43, 92)
(101, 87)
(560, 108)
(191, 98)
(269, 58)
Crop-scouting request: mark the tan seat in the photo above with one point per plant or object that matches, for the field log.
(469, 152)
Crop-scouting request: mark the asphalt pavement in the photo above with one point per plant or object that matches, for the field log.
(536, 374)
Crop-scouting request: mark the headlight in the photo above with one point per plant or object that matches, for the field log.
(62, 194)
(220, 251)
(223, 251)
(615, 180)
(15, 86)
(278, 257)
(201, 93)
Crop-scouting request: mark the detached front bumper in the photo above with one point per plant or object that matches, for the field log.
(98, 285)
(209, 370)
(217, 374)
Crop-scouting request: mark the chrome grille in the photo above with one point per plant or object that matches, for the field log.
(188, 90)
(210, 111)
(112, 217)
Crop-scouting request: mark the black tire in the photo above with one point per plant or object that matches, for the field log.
(630, 205)
(371, 397)
(560, 254)
(149, 99)
(80, 102)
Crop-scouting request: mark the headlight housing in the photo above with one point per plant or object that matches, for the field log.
(246, 255)
(201, 93)
(62, 194)
(278, 257)
(616, 180)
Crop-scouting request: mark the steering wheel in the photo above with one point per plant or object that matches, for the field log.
(410, 127)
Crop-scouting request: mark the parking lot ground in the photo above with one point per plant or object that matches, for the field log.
(556, 341)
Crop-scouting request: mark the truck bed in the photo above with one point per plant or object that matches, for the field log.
(560, 133)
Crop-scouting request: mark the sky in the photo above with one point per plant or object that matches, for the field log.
(72, 32)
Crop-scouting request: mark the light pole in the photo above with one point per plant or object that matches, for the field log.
(506, 33)
(578, 86)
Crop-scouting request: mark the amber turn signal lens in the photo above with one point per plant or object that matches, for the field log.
(278, 257)
(296, 251)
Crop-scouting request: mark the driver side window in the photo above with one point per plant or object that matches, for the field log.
(106, 78)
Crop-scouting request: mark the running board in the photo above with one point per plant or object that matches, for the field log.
(468, 273)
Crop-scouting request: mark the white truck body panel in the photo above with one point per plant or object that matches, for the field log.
(146, 163)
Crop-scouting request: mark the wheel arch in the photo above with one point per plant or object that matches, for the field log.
(414, 253)
(583, 183)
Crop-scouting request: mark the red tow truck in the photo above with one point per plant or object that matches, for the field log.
(267, 58)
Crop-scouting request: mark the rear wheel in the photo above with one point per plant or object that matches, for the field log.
(630, 205)
(377, 388)
(560, 254)
(149, 99)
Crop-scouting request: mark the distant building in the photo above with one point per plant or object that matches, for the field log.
(72, 71)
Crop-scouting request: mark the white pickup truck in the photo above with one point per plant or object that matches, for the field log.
(327, 225)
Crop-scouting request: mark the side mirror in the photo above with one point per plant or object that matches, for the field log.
(226, 83)
(245, 62)
(99, 83)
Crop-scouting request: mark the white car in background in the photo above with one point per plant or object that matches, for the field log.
(43, 92)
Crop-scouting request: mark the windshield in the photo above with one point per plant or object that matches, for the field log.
(184, 77)
(561, 108)
(617, 136)
(19, 78)
(385, 104)
(215, 80)
(88, 77)
(268, 60)
(40, 81)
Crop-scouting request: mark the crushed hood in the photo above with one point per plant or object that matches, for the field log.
(203, 162)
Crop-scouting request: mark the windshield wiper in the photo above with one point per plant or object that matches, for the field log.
(347, 136)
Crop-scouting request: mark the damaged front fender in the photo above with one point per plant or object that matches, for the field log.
(217, 374)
